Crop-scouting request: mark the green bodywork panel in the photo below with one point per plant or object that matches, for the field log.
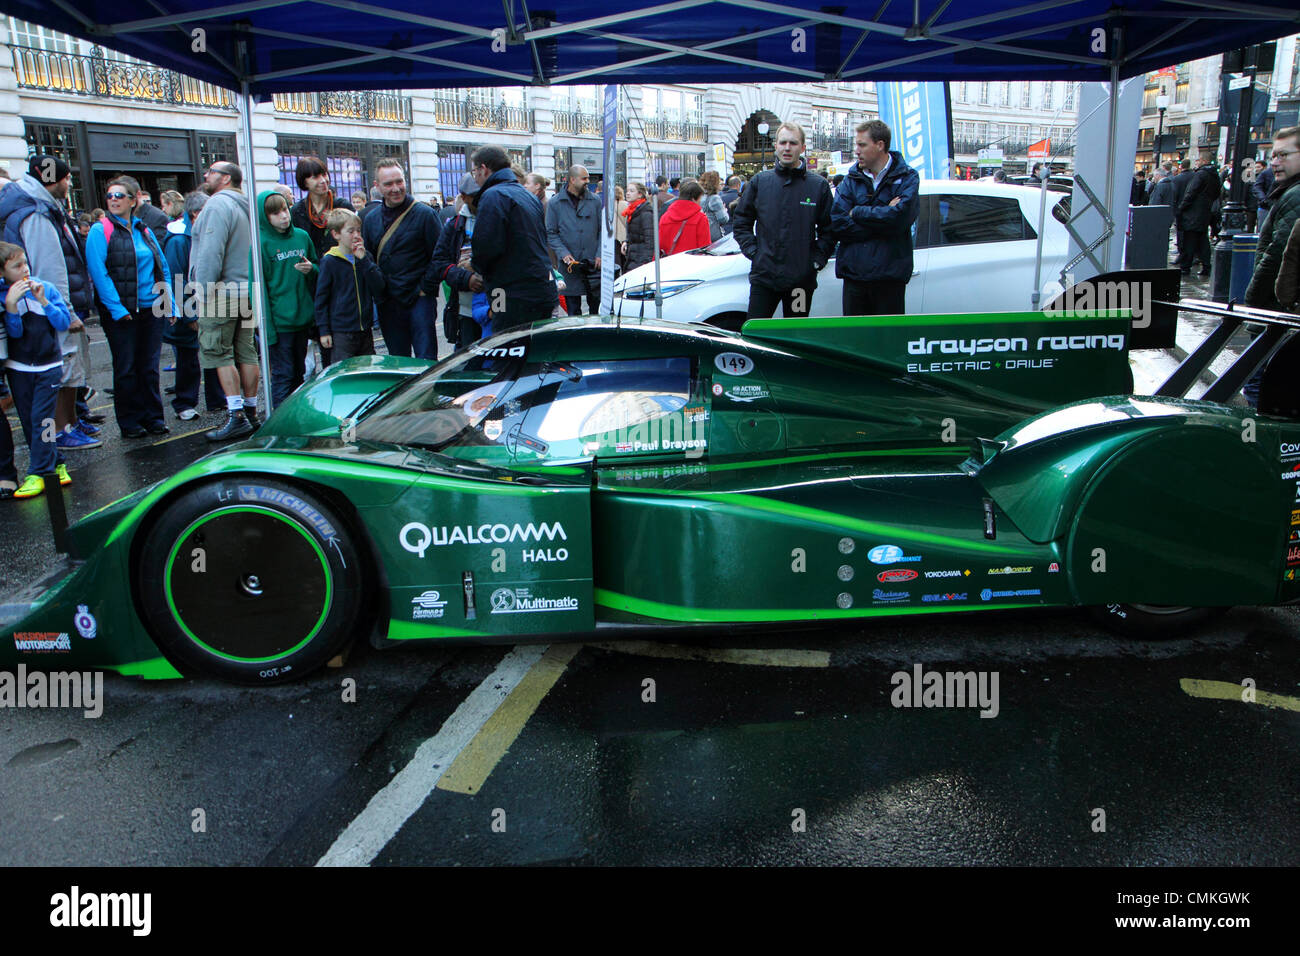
(806, 470)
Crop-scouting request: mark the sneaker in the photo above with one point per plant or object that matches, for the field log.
(31, 487)
(187, 414)
(62, 472)
(236, 426)
(86, 428)
(93, 419)
(75, 439)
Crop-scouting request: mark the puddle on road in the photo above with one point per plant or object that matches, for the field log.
(43, 753)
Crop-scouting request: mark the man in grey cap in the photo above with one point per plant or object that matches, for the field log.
(466, 318)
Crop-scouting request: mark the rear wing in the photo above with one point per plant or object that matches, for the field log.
(1151, 295)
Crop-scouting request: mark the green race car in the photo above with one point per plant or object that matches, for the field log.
(582, 474)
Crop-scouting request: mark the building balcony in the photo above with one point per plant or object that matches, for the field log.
(581, 123)
(97, 75)
(468, 114)
(838, 139)
(675, 130)
(366, 106)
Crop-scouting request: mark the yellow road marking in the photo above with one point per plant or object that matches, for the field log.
(205, 428)
(1222, 690)
(721, 655)
(475, 763)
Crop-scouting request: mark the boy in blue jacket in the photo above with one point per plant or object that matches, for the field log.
(346, 290)
(35, 314)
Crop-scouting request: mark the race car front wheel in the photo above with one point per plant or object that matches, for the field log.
(251, 580)
(1152, 621)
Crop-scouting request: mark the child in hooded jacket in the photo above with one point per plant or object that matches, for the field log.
(35, 314)
(288, 294)
(346, 290)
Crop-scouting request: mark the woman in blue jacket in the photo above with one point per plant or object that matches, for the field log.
(130, 276)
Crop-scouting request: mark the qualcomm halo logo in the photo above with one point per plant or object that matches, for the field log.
(85, 622)
(427, 605)
(889, 554)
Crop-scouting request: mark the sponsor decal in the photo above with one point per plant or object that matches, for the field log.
(717, 388)
(1292, 473)
(696, 413)
(889, 597)
(656, 472)
(1022, 569)
(1295, 535)
(42, 642)
(546, 554)
(1293, 555)
(747, 393)
(733, 363)
(988, 595)
(1289, 575)
(427, 605)
(1053, 568)
(1289, 450)
(896, 574)
(1295, 517)
(1053, 343)
(889, 554)
(416, 537)
(944, 597)
(950, 573)
(85, 623)
(492, 428)
(521, 601)
(514, 350)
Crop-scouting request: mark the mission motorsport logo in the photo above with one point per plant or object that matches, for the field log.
(1006, 351)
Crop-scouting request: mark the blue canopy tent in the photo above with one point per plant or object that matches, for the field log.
(262, 47)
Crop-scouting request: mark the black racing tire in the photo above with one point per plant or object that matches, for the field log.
(250, 580)
(1151, 621)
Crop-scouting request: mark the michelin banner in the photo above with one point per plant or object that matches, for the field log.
(918, 119)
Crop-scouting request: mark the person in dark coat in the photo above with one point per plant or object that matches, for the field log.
(1195, 211)
(401, 236)
(1181, 179)
(791, 208)
(573, 231)
(509, 243)
(453, 243)
(729, 197)
(1162, 194)
(873, 214)
(1137, 194)
(1263, 185)
(639, 248)
(311, 212)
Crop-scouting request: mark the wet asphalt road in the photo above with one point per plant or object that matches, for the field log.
(749, 735)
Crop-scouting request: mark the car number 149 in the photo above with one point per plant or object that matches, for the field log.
(733, 363)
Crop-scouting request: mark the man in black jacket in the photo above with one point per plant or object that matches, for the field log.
(1194, 214)
(792, 210)
(1181, 179)
(509, 244)
(401, 235)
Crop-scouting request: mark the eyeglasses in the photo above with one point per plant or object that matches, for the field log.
(1284, 153)
(118, 196)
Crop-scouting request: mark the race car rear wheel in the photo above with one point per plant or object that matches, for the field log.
(1153, 621)
(250, 580)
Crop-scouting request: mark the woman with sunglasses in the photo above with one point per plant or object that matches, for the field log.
(130, 276)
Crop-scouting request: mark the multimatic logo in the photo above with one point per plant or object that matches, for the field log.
(416, 537)
(521, 601)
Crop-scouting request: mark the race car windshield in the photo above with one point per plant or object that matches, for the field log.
(448, 400)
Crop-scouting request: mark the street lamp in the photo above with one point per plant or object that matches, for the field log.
(1162, 104)
(762, 131)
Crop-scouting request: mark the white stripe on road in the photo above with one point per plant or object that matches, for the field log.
(391, 807)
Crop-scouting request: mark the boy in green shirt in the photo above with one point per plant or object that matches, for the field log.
(289, 268)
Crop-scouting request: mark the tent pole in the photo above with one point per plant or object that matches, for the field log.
(1110, 141)
(255, 245)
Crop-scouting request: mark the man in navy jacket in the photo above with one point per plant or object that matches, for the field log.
(408, 308)
(509, 243)
(873, 214)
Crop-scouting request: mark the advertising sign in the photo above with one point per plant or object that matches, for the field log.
(609, 164)
(917, 116)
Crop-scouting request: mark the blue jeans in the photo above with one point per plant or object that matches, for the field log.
(288, 363)
(412, 327)
(136, 345)
(35, 394)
